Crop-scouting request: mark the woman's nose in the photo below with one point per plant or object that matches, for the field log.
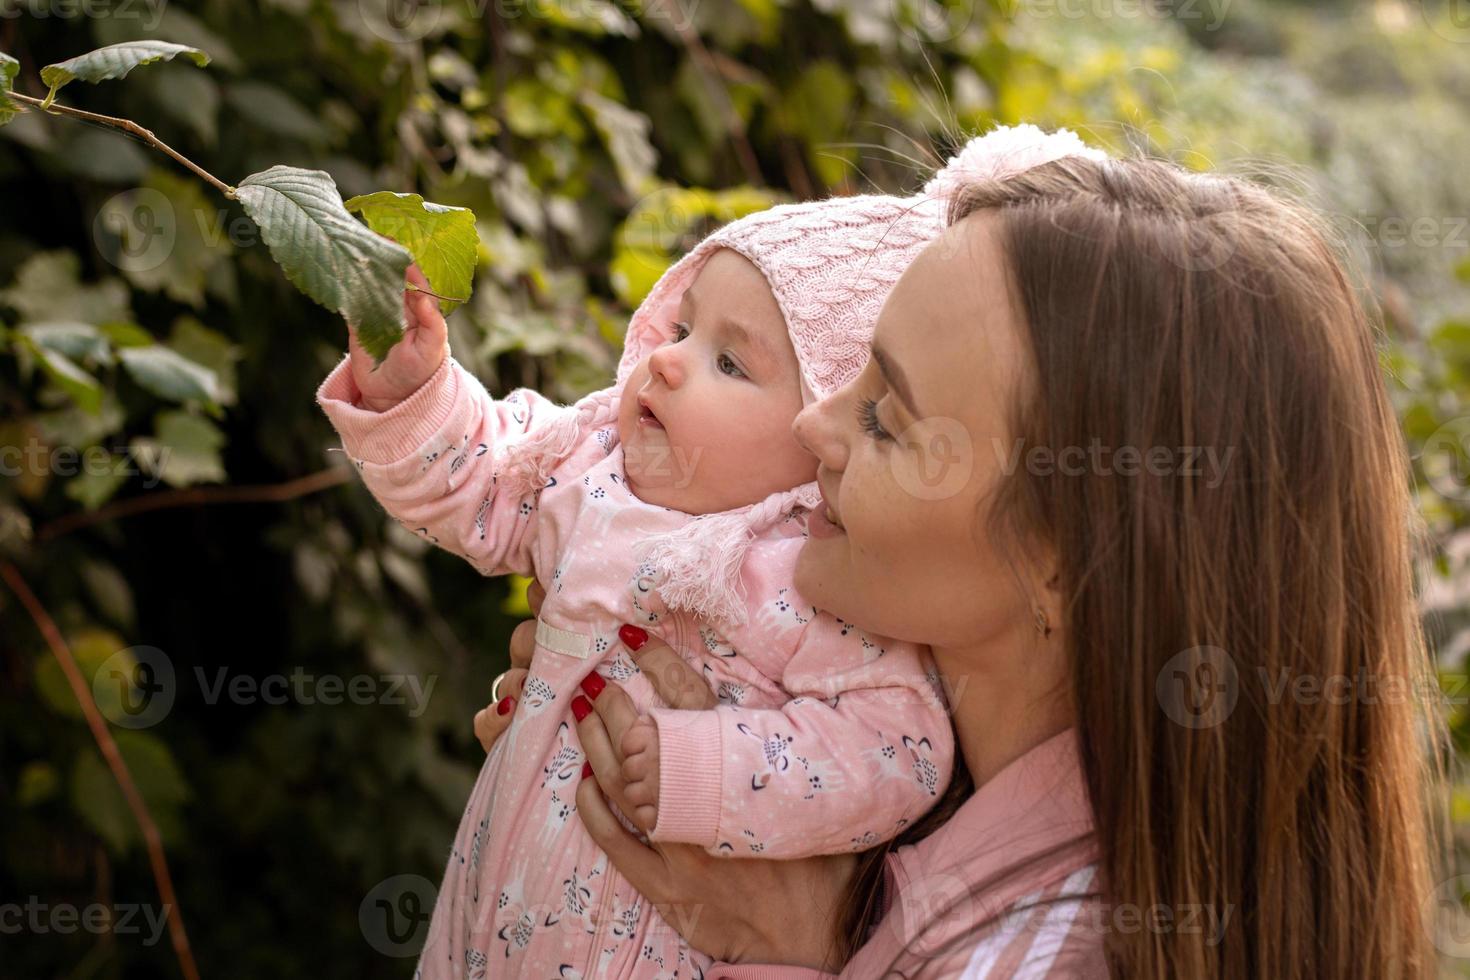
(818, 431)
(667, 365)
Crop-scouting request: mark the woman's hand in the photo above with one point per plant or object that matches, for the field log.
(493, 719)
(734, 909)
(411, 361)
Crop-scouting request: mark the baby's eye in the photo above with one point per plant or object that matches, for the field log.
(728, 366)
(681, 330)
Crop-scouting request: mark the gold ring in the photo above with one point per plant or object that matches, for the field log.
(495, 687)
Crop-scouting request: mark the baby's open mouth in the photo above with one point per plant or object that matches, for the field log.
(646, 416)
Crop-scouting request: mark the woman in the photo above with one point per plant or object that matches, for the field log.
(1166, 581)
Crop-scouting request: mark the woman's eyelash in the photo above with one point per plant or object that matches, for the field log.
(867, 411)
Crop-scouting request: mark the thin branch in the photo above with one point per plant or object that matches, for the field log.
(128, 126)
(83, 692)
(709, 70)
(261, 493)
(430, 292)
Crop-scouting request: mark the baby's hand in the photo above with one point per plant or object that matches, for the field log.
(411, 361)
(640, 772)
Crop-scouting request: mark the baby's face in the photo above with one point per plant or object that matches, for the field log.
(705, 420)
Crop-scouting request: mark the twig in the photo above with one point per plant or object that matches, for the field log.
(83, 692)
(430, 292)
(683, 26)
(262, 493)
(128, 126)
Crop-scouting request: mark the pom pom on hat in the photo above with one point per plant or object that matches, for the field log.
(1004, 152)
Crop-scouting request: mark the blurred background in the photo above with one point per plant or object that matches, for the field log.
(290, 676)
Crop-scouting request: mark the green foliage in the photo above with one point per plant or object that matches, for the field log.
(114, 61)
(143, 318)
(442, 240)
(328, 254)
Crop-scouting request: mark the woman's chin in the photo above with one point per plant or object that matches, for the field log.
(818, 576)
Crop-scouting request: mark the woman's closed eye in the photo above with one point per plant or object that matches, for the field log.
(867, 410)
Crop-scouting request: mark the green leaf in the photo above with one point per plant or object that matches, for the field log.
(95, 793)
(209, 349)
(328, 254)
(70, 378)
(626, 134)
(77, 341)
(184, 450)
(47, 289)
(91, 648)
(8, 69)
(169, 375)
(39, 782)
(442, 240)
(114, 61)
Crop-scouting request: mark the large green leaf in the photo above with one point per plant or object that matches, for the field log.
(328, 254)
(168, 374)
(8, 68)
(115, 61)
(442, 239)
(67, 376)
(184, 450)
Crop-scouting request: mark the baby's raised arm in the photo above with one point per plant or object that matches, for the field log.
(423, 432)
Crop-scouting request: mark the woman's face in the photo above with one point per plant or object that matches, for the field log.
(912, 450)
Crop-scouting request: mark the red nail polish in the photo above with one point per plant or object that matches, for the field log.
(506, 703)
(632, 636)
(586, 769)
(581, 707)
(593, 684)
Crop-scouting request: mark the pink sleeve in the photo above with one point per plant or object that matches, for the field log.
(429, 462)
(863, 748)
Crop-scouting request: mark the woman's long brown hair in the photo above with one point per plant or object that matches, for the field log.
(1182, 314)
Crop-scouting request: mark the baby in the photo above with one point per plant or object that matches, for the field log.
(675, 500)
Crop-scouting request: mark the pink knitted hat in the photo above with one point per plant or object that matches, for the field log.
(831, 265)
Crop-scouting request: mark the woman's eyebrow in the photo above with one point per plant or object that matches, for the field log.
(896, 380)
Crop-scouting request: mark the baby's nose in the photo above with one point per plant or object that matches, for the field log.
(667, 365)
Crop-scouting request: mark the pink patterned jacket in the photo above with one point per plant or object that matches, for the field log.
(826, 738)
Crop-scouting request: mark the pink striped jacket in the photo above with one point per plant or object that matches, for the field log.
(1005, 890)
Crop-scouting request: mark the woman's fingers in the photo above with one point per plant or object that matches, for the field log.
(535, 595)
(523, 643)
(640, 864)
(492, 720)
(679, 684)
